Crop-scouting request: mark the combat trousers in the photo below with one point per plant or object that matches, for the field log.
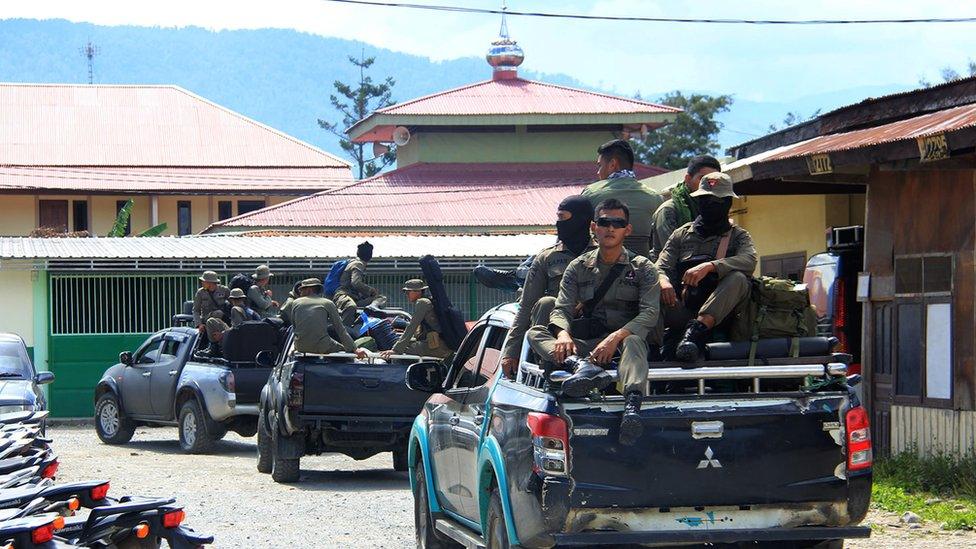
(631, 370)
(728, 294)
(422, 349)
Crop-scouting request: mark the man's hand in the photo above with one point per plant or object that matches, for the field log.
(668, 296)
(267, 293)
(274, 303)
(605, 350)
(564, 347)
(695, 274)
(385, 355)
(201, 328)
(509, 365)
(361, 353)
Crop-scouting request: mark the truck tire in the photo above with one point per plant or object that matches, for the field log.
(423, 522)
(496, 534)
(194, 435)
(265, 459)
(111, 424)
(400, 456)
(284, 470)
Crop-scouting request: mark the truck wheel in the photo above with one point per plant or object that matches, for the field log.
(194, 438)
(111, 424)
(497, 533)
(265, 462)
(400, 459)
(422, 521)
(284, 470)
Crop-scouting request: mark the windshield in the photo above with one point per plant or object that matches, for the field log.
(14, 360)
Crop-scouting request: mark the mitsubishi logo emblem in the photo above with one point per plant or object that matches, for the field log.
(703, 464)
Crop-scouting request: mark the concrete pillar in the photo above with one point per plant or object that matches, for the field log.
(153, 211)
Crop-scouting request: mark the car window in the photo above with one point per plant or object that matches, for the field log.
(14, 359)
(492, 356)
(169, 350)
(149, 354)
(464, 368)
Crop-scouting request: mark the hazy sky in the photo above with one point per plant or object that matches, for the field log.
(754, 62)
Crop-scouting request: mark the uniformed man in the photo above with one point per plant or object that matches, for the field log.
(353, 280)
(705, 269)
(209, 298)
(312, 315)
(215, 329)
(239, 311)
(615, 168)
(348, 311)
(422, 335)
(608, 300)
(259, 294)
(574, 216)
(681, 208)
(292, 295)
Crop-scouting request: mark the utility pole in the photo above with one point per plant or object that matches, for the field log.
(90, 51)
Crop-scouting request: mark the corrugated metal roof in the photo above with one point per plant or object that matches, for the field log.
(270, 247)
(912, 128)
(172, 180)
(437, 195)
(98, 125)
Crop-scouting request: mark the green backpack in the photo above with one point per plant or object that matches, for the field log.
(775, 308)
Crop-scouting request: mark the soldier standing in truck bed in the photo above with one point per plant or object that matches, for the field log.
(353, 280)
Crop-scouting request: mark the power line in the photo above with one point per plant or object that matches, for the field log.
(461, 9)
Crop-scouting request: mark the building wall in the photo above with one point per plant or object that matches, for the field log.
(932, 431)
(520, 146)
(18, 215)
(18, 294)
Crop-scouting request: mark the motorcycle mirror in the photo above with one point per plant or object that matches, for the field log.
(44, 378)
(125, 357)
(265, 359)
(425, 377)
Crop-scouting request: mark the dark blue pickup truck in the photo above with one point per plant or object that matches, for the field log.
(777, 454)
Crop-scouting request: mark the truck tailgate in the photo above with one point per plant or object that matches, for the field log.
(698, 452)
(248, 383)
(359, 389)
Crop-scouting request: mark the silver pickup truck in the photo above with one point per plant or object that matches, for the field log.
(167, 382)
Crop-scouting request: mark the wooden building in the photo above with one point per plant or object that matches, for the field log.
(916, 154)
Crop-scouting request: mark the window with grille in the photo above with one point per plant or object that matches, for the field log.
(923, 274)
(788, 266)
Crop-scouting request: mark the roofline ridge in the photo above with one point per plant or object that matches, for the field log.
(429, 95)
(604, 94)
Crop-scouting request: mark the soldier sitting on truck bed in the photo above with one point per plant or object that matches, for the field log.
(259, 296)
(704, 270)
(423, 335)
(312, 316)
(574, 215)
(608, 300)
(353, 280)
(211, 297)
(681, 208)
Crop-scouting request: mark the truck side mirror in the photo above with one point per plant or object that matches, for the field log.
(125, 357)
(425, 377)
(43, 378)
(265, 359)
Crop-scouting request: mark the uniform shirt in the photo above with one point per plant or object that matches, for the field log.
(664, 222)
(640, 200)
(205, 302)
(353, 281)
(312, 316)
(424, 320)
(260, 302)
(685, 244)
(632, 302)
(542, 280)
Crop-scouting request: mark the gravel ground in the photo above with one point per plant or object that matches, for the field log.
(338, 503)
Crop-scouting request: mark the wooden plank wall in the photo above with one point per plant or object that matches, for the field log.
(932, 430)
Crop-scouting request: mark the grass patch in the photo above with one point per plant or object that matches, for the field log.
(906, 481)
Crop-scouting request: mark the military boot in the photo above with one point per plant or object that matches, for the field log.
(631, 427)
(692, 344)
(586, 377)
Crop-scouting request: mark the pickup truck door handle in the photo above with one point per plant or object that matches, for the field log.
(146, 374)
(479, 419)
(172, 372)
(707, 429)
(370, 383)
(454, 420)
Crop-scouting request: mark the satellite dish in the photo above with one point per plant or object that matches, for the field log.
(401, 136)
(379, 149)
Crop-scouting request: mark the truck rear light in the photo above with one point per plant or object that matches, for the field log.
(296, 390)
(840, 314)
(99, 492)
(550, 443)
(859, 455)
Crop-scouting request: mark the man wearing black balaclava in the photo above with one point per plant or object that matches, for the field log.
(541, 287)
(353, 280)
(704, 270)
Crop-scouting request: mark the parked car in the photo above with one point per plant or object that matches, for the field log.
(166, 381)
(19, 382)
(333, 403)
(777, 453)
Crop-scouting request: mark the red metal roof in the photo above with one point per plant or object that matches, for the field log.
(30, 179)
(912, 128)
(422, 196)
(86, 125)
(518, 96)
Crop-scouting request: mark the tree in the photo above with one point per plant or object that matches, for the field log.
(949, 74)
(691, 133)
(359, 101)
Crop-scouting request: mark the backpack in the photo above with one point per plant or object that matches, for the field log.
(242, 281)
(450, 318)
(775, 308)
(334, 278)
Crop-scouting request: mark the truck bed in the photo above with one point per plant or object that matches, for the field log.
(341, 386)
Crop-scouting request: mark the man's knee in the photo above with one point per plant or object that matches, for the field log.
(540, 340)
(737, 283)
(542, 310)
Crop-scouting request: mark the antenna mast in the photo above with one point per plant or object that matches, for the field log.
(89, 51)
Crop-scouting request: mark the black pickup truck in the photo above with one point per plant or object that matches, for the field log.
(777, 454)
(313, 404)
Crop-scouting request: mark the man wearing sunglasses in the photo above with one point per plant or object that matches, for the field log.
(608, 301)
(615, 168)
(704, 270)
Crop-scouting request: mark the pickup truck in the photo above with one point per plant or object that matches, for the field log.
(776, 454)
(167, 381)
(313, 404)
